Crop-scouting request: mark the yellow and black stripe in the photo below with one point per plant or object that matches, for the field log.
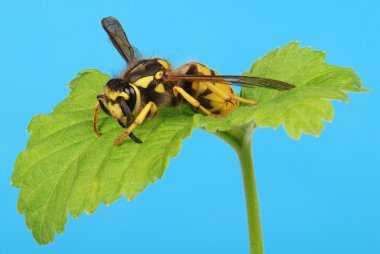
(147, 76)
(198, 89)
(149, 84)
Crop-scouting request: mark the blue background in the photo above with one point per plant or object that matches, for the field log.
(317, 195)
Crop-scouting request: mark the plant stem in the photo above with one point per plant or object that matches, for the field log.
(252, 199)
(241, 140)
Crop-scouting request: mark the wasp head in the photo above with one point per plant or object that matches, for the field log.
(118, 100)
(121, 92)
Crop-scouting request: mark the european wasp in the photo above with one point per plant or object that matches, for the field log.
(150, 84)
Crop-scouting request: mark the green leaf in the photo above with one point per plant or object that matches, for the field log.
(304, 108)
(66, 169)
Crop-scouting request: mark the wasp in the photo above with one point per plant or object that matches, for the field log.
(147, 85)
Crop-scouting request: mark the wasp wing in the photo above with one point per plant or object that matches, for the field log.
(246, 81)
(138, 54)
(119, 39)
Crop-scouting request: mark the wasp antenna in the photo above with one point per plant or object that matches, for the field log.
(134, 138)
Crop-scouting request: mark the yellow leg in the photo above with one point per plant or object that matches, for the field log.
(95, 122)
(227, 96)
(190, 99)
(150, 107)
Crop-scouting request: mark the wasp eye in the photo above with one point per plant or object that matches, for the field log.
(127, 89)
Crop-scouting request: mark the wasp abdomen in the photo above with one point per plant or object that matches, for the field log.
(198, 89)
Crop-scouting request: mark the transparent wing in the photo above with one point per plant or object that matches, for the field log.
(119, 39)
(246, 81)
(138, 53)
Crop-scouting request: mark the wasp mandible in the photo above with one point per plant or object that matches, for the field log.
(150, 84)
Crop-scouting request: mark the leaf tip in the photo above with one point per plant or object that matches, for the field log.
(83, 74)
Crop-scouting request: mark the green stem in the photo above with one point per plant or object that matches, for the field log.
(241, 140)
(252, 199)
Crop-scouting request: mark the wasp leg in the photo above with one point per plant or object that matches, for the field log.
(131, 135)
(190, 99)
(95, 122)
(228, 96)
(150, 107)
(127, 112)
(99, 105)
(104, 108)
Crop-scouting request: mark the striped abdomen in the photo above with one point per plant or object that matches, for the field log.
(211, 101)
